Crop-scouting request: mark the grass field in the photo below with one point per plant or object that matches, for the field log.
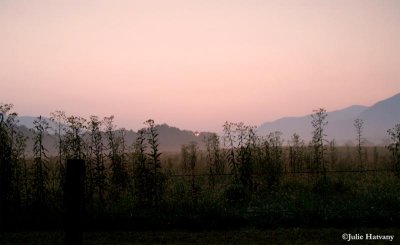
(253, 191)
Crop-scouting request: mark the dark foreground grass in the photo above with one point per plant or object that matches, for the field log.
(245, 236)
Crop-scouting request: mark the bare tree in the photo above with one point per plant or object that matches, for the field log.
(59, 119)
(189, 157)
(239, 143)
(319, 123)
(296, 152)
(185, 158)
(6, 165)
(394, 146)
(142, 177)
(214, 161)
(119, 176)
(230, 147)
(95, 166)
(358, 124)
(333, 153)
(40, 162)
(246, 150)
(17, 149)
(274, 161)
(12, 163)
(74, 143)
(155, 162)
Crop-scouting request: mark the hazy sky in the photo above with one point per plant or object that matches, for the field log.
(196, 64)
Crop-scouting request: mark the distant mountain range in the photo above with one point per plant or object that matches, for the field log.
(377, 118)
(171, 138)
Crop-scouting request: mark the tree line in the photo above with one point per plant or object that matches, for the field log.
(115, 170)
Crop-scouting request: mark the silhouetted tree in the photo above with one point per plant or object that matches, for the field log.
(142, 177)
(230, 147)
(40, 162)
(185, 158)
(96, 176)
(333, 153)
(214, 160)
(17, 144)
(296, 153)
(9, 168)
(22, 189)
(246, 145)
(59, 120)
(394, 147)
(155, 162)
(119, 175)
(358, 124)
(189, 153)
(274, 160)
(375, 156)
(319, 123)
(239, 146)
(74, 145)
(122, 153)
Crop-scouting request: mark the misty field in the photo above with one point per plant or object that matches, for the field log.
(261, 187)
(199, 122)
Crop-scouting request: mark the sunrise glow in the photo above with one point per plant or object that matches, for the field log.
(197, 64)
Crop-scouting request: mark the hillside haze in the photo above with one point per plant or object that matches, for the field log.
(378, 118)
(171, 138)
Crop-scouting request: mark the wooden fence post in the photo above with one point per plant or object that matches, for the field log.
(74, 200)
(2, 197)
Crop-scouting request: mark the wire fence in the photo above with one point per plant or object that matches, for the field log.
(284, 173)
(288, 173)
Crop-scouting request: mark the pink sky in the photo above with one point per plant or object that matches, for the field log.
(196, 64)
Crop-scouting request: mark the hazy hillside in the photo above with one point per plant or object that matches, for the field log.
(171, 138)
(381, 116)
(378, 118)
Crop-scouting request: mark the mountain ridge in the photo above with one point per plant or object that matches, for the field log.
(377, 118)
